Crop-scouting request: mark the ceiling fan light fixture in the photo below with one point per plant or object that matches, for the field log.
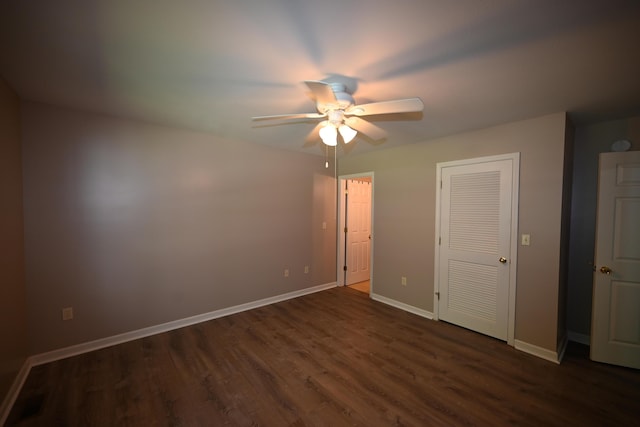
(329, 135)
(335, 103)
(347, 133)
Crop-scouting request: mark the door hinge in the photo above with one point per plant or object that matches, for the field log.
(438, 295)
(441, 184)
(439, 241)
(345, 229)
(344, 268)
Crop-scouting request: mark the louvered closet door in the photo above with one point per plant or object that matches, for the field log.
(475, 234)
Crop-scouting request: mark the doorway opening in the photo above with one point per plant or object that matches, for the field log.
(355, 231)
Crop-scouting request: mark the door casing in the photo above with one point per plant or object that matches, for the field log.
(341, 238)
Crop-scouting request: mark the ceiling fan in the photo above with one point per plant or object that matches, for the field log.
(335, 104)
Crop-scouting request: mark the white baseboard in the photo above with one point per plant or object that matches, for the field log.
(579, 338)
(402, 306)
(543, 353)
(14, 390)
(74, 350)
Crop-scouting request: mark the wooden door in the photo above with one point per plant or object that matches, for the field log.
(475, 251)
(358, 230)
(615, 320)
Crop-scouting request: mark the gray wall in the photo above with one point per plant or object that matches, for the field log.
(136, 224)
(590, 141)
(13, 312)
(404, 216)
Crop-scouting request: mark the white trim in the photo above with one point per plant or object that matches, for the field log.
(341, 224)
(436, 251)
(579, 338)
(74, 350)
(14, 390)
(515, 219)
(515, 198)
(340, 275)
(402, 306)
(534, 350)
(543, 353)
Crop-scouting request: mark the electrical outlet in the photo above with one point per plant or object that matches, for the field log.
(306, 269)
(403, 280)
(286, 272)
(67, 313)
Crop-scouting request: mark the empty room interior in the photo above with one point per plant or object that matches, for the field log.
(319, 213)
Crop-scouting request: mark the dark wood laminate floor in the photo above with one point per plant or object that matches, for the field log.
(334, 358)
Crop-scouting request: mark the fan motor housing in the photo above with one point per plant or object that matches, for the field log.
(343, 98)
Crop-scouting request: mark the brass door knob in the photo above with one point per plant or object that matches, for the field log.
(605, 270)
(502, 259)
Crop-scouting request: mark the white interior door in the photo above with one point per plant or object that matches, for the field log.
(475, 252)
(615, 320)
(358, 230)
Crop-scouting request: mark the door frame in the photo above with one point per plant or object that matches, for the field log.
(341, 238)
(513, 251)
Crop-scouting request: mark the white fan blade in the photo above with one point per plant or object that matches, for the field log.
(367, 128)
(408, 105)
(322, 92)
(291, 116)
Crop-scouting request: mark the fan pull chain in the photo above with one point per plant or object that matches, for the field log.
(326, 157)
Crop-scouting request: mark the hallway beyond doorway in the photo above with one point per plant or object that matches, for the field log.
(363, 286)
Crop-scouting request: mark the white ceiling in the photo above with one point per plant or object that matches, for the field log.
(212, 65)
